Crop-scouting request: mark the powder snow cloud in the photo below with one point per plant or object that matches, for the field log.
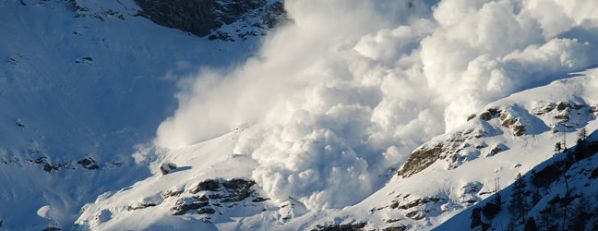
(340, 96)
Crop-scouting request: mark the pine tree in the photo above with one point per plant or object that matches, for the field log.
(557, 147)
(581, 138)
(580, 216)
(518, 205)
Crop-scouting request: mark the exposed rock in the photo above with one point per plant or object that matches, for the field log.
(470, 191)
(395, 228)
(418, 202)
(513, 122)
(167, 167)
(215, 192)
(497, 149)
(206, 210)
(562, 106)
(562, 117)
(421, 159)
(140, 206)
(343, 227)
(52, 228)
(485, 116)
(415, 215)
(86, 60)
(207, 185)
(183, 205)
(172, 193)
(146, 202)
(88, 163)
(204, 17)
(260, 199)
(470, 117)
(544, 109)
(490, 114)
(20, 123)
(50, 167)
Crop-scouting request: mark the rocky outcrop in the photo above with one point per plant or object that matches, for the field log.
(88, 163)
(206, 17)
(421, 159)
(468, 143)
(456, 149)
(565, 116)
(341, 227)
(212, 193)
(167, 167)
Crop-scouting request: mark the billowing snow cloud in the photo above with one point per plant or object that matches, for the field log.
(336, 99)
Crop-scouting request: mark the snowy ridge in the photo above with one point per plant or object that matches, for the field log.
(488, 147)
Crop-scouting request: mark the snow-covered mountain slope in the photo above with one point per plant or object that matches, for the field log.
(558, 194)
(456, 170)
(82, 84)
(357, 115)
(441, 178)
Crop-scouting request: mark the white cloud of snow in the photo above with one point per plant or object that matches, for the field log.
(343, 94)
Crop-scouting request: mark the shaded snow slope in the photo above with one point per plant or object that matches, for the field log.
(81, 84)
(557, 194)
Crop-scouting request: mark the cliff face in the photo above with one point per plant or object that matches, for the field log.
(208, 17)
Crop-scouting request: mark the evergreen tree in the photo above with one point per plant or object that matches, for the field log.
(530, 225)
(581, 139)
(557, 147)
(581, 215)
(519, 205)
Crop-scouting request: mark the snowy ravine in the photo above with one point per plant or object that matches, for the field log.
(442, 178)
(82, 85)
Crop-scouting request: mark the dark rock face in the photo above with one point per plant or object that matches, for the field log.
(421, 159)
(212, 193)
(395, 228)
(140, 206)
(207, 185)
(343, 227)
(185, 204)
(205, 17)
(88, 163)
(166, 168)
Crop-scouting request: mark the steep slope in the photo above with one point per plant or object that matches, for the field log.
(558, 194)
(82, 84)
(442, 177)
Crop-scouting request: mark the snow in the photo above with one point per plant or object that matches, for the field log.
(321, 114)
(457, 188)
(343, 95)
(74, 86)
